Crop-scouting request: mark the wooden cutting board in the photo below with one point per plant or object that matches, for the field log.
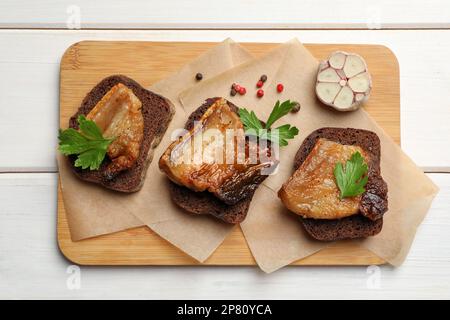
(85, 63)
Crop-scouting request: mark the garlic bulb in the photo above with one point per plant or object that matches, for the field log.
(343, 81)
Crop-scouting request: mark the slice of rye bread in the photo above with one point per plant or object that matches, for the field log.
(157, 112)
(205, 202)
(374, 201)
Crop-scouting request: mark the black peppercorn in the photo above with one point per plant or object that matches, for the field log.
(263, 78)
(296, 107)
(198, 76)
(233, 92)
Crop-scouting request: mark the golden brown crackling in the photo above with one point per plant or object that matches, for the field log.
(205, 202)
(119, 116)
(157, 113)
(369, 221)
(230, 182)
(312, 191)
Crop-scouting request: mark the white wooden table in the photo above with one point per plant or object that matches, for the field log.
(33, 36)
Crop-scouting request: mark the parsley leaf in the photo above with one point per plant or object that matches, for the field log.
(351, 182)
(253, 126)
(89, 128)
(279, 111)
(88, 143)
(249, 119)
(283, 133)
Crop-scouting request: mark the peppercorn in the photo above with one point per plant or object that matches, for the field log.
(296, 107)
(263, 78)
(237, 87)
(233, 92)
(260, 93)
(198, 76)
(242, 91)
(280, 87)
(259, 84)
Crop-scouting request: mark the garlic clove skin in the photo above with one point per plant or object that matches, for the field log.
(343, 81)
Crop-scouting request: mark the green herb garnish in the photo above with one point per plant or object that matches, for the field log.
(280, 135)
(88, 143)
(352, 180)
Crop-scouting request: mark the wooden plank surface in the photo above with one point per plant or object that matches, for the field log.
(273, 14)
(84, 65)
(26, 63)
(31, 266)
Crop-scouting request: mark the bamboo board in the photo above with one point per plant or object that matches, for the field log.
(85, 63)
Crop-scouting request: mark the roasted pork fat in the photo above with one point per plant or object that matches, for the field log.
(216, 156)
(118, 115)
(312, 191)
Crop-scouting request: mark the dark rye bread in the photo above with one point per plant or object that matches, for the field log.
(157, 112)
(205, 202)
(374, 202)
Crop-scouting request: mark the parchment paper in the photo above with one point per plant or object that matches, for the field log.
(92, 210)
(274, 235)
(198, 236)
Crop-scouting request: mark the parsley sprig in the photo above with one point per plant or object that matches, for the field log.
(88, 143)
(281, 134)
(352, 180)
